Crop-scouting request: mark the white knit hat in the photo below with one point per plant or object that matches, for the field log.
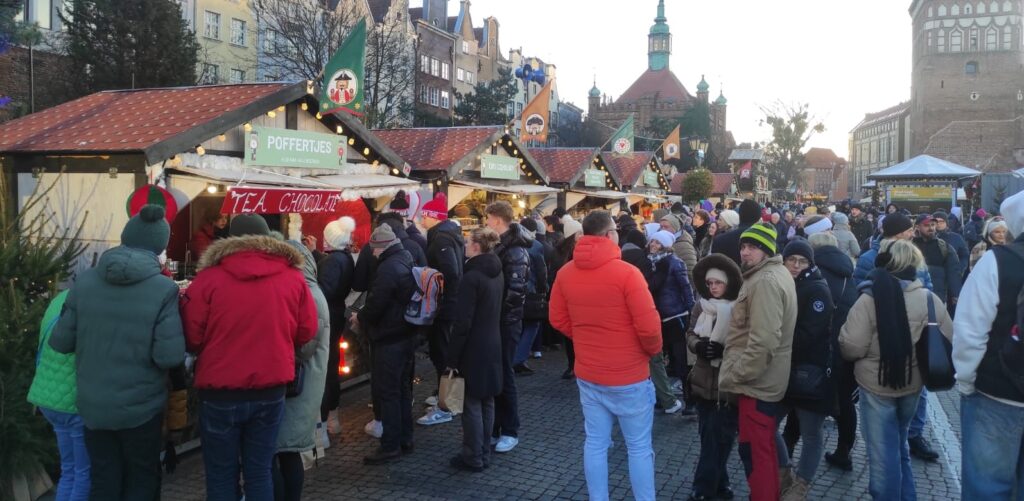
(338, 234)
(571, 226)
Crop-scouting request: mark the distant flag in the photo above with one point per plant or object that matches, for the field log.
(746, 170)
(670, 148)
(343, 75)
(535, 116)
(622, 140)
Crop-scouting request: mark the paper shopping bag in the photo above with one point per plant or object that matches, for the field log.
(452, 393)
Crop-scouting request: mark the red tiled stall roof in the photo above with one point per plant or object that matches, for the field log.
(660, 83)
(126, 121)
(721, 183)
(562, 164)
(428, 149)
(629, 167)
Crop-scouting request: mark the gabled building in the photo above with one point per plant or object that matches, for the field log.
(823, 175)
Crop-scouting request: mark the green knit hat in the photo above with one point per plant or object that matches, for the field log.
(763, 236)
(147, 230)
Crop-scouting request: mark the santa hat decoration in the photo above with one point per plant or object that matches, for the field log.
(152, 195)
(338, 234)
(436, 208)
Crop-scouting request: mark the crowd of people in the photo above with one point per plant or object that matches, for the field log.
(760, 322)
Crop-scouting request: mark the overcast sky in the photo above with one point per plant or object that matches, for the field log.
(843, 58)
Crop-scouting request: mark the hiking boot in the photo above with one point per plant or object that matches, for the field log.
(461, 464)
(785, 479)
(381, 456)
(435, 415)
(523, 370)
(840, 460)
(919, 447)
(797, 491)
(568, 374)
(725, 493)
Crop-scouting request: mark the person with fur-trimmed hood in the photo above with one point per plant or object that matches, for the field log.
(335, 273)
(717, 282)
(246, 313)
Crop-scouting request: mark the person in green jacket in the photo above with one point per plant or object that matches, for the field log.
(53, 391)
(121, 321)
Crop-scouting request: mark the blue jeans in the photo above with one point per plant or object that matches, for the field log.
(233, 429)
(530, 330)
(885, 423)
(814, 443)
(920, 415)
(633, 407)
(74, 458)
(993, 448)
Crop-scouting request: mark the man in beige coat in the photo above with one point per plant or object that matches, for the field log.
(757, 356)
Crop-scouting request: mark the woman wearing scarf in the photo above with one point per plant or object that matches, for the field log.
(885, 365)
(717, 281)
(705, 244)
(673, 297)
(996, 232)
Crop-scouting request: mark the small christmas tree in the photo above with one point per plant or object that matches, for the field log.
(32, 263)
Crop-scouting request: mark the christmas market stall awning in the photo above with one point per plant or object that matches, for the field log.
(924, 168)
(581, 170)
(511, 189)
(640, 171)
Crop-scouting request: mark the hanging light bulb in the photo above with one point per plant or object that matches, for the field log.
(271, 114)
(351, 141)
(304, 106)
(394, 171)
(522, 204)
(319, 116)
(211, 189)
(200, 150)
(280, 108)
(366, 151)
(247, 126)
(222, 138)
(339, 129)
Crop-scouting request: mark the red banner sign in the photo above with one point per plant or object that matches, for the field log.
(280, 201)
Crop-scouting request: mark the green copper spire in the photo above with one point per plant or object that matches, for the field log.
(703, 85)
(721, 101)
(659, 41)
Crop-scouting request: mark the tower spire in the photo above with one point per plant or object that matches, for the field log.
(659, 41)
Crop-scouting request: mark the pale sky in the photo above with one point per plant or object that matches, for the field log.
(843, 58)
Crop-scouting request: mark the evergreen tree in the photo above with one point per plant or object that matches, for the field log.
(34, 258)
(488, 103)
(697, 185)
(127, 44)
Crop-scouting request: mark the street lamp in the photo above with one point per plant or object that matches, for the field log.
(699, 147)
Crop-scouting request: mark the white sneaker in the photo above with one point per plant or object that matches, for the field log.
(676, 407)
(374, 428)
(333, 422)
(506, 443)
(321, 436)
(431, 400)
(435, 416)
(537, 354)
(677, 387)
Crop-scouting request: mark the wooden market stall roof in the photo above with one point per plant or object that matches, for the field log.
(629, 168)
(568, 165)
(448, 149)
(162, 122)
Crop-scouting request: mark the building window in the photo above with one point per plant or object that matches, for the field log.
(931, 38)
(238, 32)
(435, 67)
(956, 41)
(435, 96)
(942, 11)
(211, 74)
(971, 68)
(994, 7)
(446, 71)
(237, 76)
(967, 9)
(942, 41)
(212, 29)
(519, 108)
(981, 8)
(470, 79)
(465, 47)
(446, 99)
(460, 74)
(1007, 37)
(270, 77)
(991, 39)
(424, 94)
(270, 38)
(954, 10)
(510, 110)
(38, 11)
(425, 64)
(931, 12)
(974, 40)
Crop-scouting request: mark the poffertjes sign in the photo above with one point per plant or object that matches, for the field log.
(280, 201)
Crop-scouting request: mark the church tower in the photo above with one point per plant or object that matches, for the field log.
(659, 41)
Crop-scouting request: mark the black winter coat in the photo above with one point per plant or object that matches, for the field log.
(728, 243)
(814, 342)
(446, 253)
(513, 249)
(335, 273)
(475, 343)
(836, 268)
(416, 236)
(638, 257)
(366, 265)
(862, 229)
(393, 286)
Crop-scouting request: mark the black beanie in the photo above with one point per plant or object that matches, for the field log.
(799, 247)
(894, 224)
(529, 223)
(750, 212)
(249, 224)
(399, 202)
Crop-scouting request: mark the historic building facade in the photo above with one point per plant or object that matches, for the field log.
(967, 102)
(880, 140)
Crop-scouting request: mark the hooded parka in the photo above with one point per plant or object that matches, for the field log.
(475, 345)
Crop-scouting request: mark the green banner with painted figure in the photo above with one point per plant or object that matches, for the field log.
(499, 167)
(594, 178)
(268, 147)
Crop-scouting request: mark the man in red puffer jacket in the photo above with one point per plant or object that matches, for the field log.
(245, 315)
(603, 304)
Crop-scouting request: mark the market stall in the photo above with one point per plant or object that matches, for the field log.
(585, 182)
(472, 166)
(923, 183)
(642, 178)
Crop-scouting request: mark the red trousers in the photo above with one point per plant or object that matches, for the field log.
(758, 422)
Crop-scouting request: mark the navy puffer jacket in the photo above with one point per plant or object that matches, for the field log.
(670, 287)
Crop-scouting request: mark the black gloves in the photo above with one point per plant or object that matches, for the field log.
(708, 349)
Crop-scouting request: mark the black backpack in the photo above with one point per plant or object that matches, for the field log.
(1011, 353)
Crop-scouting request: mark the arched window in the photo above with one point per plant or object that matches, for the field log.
(1007, 37)
(954, 10)
(981, 8)
(956, 41)
(1007, 6)
(942, 11)
(991, 39)
(971, 68)
(973, 41)
(931, 12)
(994, 7)
(931, 37)
(967, 9)
(942, 41)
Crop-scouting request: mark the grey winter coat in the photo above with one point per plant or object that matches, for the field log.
(301, 413)
(847, 241)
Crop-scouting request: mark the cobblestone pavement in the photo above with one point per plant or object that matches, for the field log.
(548, 462)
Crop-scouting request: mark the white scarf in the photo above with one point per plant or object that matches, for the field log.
(714, 321)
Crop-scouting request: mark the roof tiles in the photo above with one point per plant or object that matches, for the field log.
(126, 121)
(628, 167)
(660, 83)
(562, 164)
(428, 149)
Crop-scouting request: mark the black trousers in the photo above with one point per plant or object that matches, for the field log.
(846, 417)
(506, 405)
(570, 352)
(477, 421)
(392, 373)
(288, 476)
(125, 464)
(332, 391)
(437, 341)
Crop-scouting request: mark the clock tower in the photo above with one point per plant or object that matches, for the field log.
(659, 41)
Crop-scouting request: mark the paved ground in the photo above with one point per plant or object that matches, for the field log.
(548, 463)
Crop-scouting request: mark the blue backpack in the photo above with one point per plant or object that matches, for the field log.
(425, 301)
